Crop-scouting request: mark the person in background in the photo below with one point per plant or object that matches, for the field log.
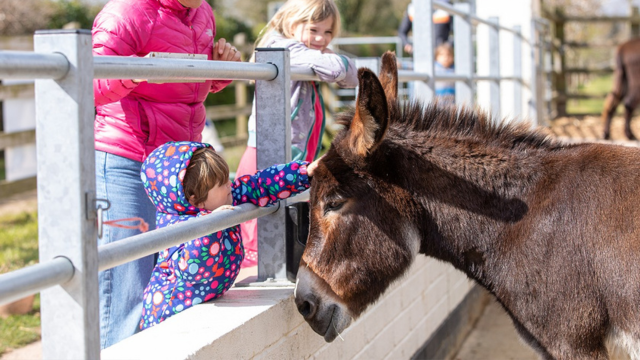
(305, 28)
(185, 180)
(210, 136)
(445, 89)
(133, 117)
(442, 26)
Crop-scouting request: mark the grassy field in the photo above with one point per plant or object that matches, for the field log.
(19, 248)
(597, 86)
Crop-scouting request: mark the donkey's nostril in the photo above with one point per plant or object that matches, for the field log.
(306, 309)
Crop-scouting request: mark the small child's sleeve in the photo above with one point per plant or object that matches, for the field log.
(268, 186)
(329, 67)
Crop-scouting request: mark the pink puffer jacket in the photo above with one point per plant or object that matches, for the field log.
(133, 119)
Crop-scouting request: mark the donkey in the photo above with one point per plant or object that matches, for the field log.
(552, 230)
(626, 87)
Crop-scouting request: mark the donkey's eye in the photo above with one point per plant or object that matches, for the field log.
(333, 205)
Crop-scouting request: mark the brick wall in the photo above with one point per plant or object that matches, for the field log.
(263, 323)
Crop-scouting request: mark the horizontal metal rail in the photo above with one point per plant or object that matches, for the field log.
(32, 279)
(30, 65)
(123, 67)
(407, 75)
(303, 74)
(135, 247)
(453, 11)
(366, 40)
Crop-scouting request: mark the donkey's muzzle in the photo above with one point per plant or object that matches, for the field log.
(319, 305)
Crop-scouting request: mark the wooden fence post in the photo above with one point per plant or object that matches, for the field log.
(633, 23)
(560, 77)
(241, 102)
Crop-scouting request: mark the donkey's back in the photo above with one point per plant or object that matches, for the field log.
(582, 253)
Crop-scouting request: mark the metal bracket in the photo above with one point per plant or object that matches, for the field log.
(94, 209)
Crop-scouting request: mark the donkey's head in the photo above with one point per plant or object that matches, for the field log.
(361, 236)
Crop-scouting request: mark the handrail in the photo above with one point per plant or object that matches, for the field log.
(123, 67)
(365, 40)
(23, 282)
(30, 280)
(30, 65)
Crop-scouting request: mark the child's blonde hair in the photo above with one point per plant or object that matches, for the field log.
(295, 12)
(206, 170)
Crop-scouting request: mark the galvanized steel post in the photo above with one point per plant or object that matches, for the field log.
(494, 68)
(66, 184)
(463, 55)
(273, 141)
(535, 84)
(517, 71)
(424, 40)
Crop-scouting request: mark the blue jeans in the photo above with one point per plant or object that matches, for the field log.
(121, 288)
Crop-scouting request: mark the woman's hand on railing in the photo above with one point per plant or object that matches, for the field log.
(224, 51)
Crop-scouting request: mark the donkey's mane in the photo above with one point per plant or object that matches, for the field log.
(446, 121)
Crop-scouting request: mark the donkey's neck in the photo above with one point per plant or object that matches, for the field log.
(471, 193)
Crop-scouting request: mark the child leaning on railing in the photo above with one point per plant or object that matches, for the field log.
(185, 180)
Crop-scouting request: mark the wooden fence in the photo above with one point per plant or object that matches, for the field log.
(238, 111)
(564, 77)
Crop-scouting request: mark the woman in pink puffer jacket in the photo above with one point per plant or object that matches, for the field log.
(133, 118)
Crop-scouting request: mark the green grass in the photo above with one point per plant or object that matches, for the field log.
(19, 248)
(18, 241)
(597, 86)
(226, 127)
(17, 331)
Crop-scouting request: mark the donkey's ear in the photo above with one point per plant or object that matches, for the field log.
(389, 76)
(371, 119)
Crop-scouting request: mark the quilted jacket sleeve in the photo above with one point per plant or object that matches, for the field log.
(118, 31)
(268, 186)
(217, 85)
(328, 66)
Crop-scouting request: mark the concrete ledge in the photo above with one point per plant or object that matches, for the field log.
(185, 335)
(263, 323)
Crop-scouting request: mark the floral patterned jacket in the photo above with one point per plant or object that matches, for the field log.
(204, 268)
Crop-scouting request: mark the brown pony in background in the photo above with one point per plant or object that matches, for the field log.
(552, 230)
(626, 87)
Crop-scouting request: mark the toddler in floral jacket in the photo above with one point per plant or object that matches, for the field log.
(189, 179)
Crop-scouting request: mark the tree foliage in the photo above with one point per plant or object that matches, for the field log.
(359, 17)
(23, 17)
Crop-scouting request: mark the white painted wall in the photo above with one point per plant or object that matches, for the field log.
(19, 115)
(263, 323)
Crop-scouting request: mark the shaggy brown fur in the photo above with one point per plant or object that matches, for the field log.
(552, 230)
(626, 87)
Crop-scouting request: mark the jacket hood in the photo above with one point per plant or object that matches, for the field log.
(162, 173)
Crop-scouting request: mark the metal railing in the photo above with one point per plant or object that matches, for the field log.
(465, 59)
(64, 69)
